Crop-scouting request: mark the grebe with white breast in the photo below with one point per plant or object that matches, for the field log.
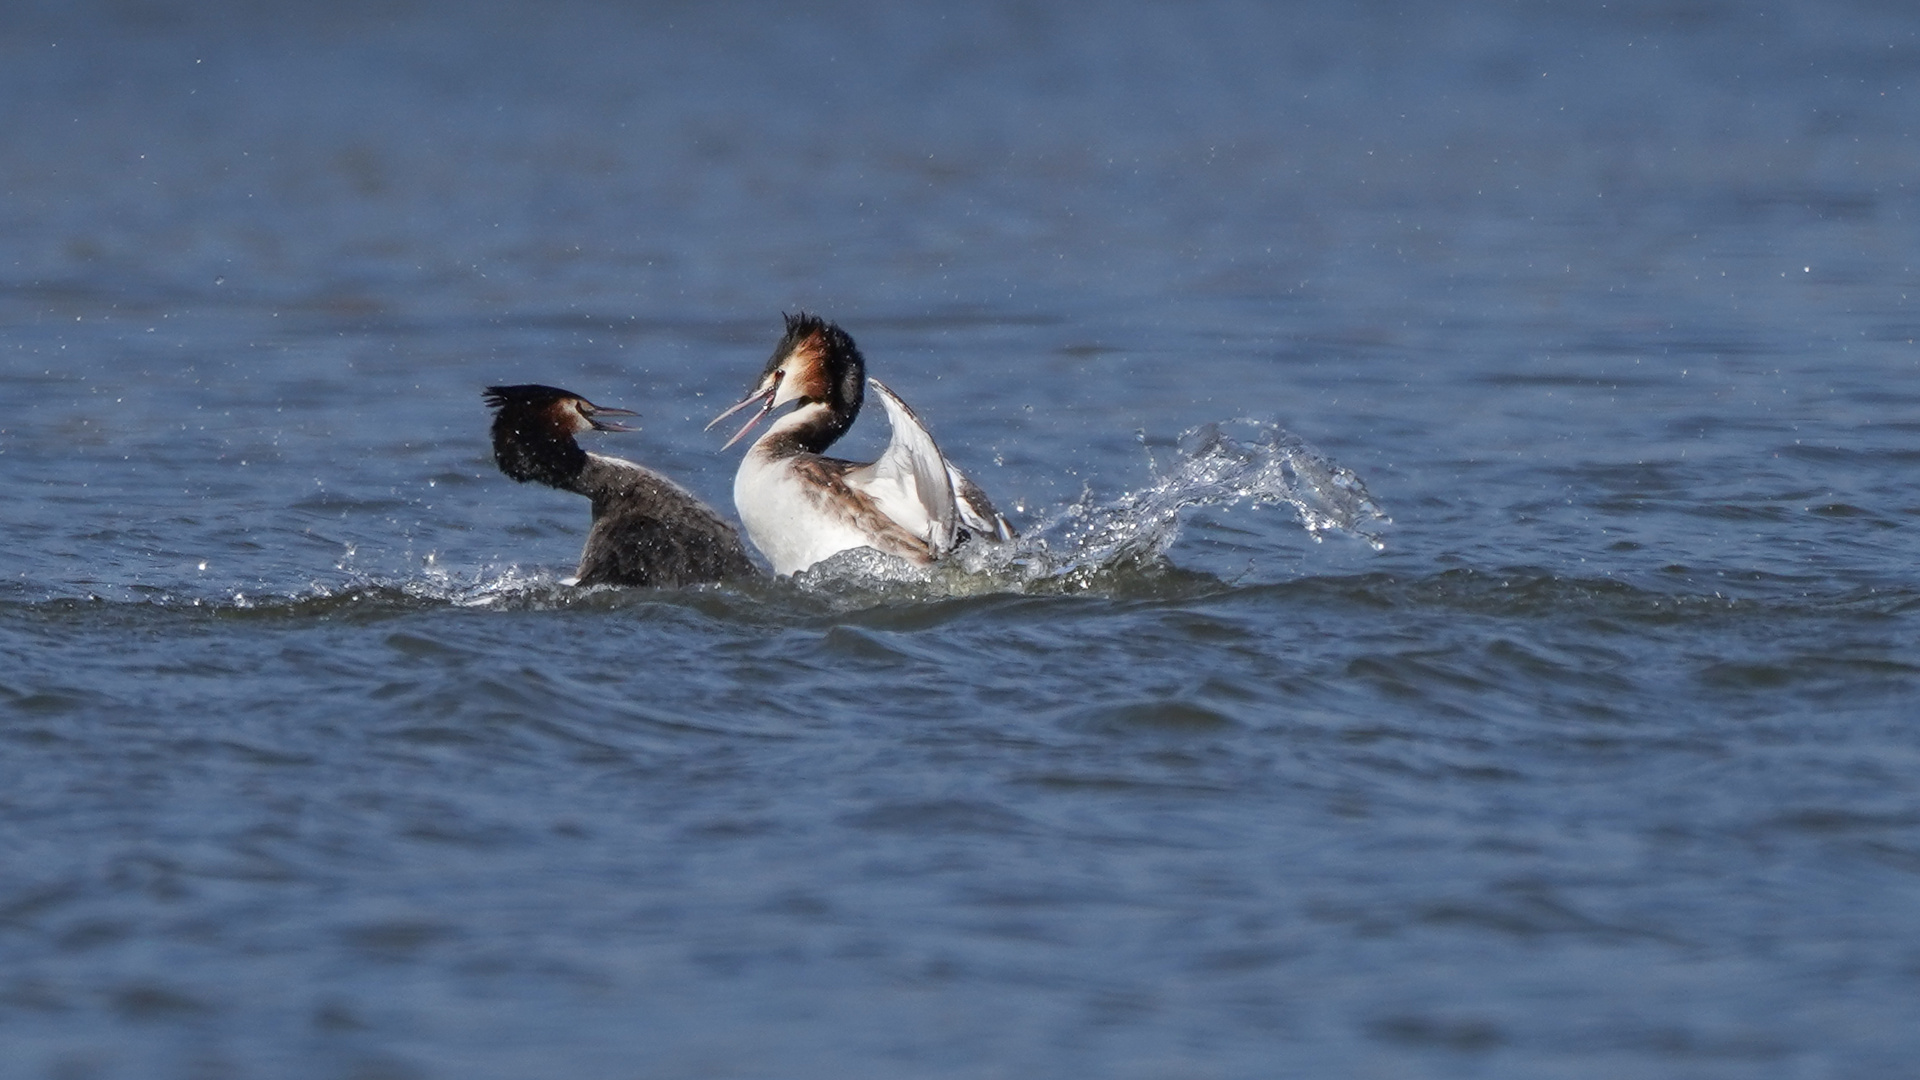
(647, 530)
(800, 506)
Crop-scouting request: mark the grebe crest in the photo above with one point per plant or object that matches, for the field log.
(534, 428)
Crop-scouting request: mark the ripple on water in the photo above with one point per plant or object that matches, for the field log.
(940, 817)
(1165, 716)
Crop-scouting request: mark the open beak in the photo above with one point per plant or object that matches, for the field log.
(608, 425)
(763, 397)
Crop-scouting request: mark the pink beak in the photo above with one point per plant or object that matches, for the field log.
(608, 425)
(762, 396)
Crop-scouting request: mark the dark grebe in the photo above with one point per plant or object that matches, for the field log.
(647, 530)
(801, 507)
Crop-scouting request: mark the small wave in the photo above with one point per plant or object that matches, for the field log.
(1527, 592)
(868, 585)
(510, 588)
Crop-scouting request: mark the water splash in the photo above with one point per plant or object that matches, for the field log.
(1090, 543)
(1213, 469)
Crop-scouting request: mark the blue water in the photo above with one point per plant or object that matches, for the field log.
(1603, 764)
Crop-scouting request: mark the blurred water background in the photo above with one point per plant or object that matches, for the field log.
(1604, 765)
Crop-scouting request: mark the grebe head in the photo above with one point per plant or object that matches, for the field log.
(550, 410)
(816, 362)
(534, 426)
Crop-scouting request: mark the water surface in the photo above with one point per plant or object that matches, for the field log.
(1603, 765)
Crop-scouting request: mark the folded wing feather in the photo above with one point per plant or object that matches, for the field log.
(912, 482)
(976, 510)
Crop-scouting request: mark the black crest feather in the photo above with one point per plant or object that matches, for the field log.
(530, 440)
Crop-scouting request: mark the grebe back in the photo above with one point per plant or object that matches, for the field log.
(647, 530)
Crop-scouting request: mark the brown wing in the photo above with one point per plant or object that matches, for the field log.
(825, 479)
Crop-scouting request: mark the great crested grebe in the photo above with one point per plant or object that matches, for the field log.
(647, 530)
(801, 507)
